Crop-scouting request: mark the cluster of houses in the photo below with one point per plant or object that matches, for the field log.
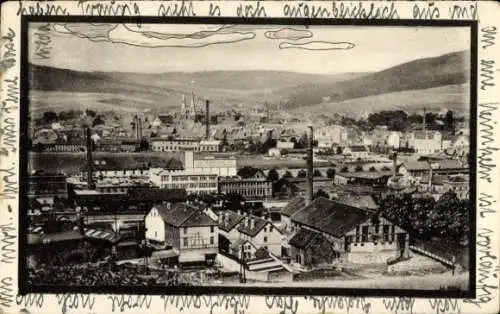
(307, 233)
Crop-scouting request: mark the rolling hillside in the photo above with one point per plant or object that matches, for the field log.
(429, 81)
(453, 97)
(449, 69)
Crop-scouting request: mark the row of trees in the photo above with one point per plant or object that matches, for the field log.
(273, 175)
(399, 120)
(426, 218)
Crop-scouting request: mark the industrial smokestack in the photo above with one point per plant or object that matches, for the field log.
(310, 138)
(207, 120)
(89, 158)
(140, 128)
(394, 164)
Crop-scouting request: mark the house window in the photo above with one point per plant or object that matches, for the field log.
(385, 231)
(364, 236)
(357, 234)
(265, 239)
(211, 240)
(297, 259)
(185, 230)
(393, 232)
(271, 228)
(211, 229)
(377, 228)
(185, 240)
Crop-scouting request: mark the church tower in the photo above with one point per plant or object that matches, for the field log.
(192, 111)
(183, 107)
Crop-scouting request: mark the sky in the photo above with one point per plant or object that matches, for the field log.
(189, 48)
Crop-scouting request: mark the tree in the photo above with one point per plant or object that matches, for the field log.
(91, 113)
(344, 169)
(302, 173)
(234, 201)
(339, 150)
(317, 173)
(321, 193)
(330, 173)
(358, 168)
(247, 172)
(98, 121)
(49, 117)
(273, 175)
(449, 121)
(144, 144)
(372, 169)
(287, 174)
(385, 168)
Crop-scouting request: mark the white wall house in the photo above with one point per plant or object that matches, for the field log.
(259, 232)
(425, 142)
(181, 226)
(193, 181)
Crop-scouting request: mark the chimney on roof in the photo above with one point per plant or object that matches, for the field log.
(207, 120)
(309, 164)
(89, 158)
(226, 218)
(252, 223)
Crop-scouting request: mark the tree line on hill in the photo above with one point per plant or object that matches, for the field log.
(399, 120)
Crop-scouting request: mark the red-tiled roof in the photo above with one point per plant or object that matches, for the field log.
(359, 201)
(301, 238)
(258, 225)
(306, 238)
(176, 214)
(330, 217)
(232, 220)
(199, 219)
(295, 204)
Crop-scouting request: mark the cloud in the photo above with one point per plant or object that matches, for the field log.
(318, 45)
(156, 35)
(288, 34)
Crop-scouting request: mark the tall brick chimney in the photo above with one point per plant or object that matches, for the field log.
(207, 120)
(90, 165)
(310, 138)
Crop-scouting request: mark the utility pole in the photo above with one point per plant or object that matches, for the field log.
(243, 278)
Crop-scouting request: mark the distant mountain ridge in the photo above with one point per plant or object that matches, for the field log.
(253, 88)
(449, 69)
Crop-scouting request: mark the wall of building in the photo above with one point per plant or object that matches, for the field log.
(246, 188)
(155, 226)
(198, 237)
(172, 236)
(192, 181)
(273, 237)
(379, 257)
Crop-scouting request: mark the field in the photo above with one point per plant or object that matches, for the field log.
(453, 97)
(71, 163)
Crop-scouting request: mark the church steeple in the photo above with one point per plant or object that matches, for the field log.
(193, 106)
(183, 107)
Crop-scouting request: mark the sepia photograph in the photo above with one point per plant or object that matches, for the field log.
(249, 155)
